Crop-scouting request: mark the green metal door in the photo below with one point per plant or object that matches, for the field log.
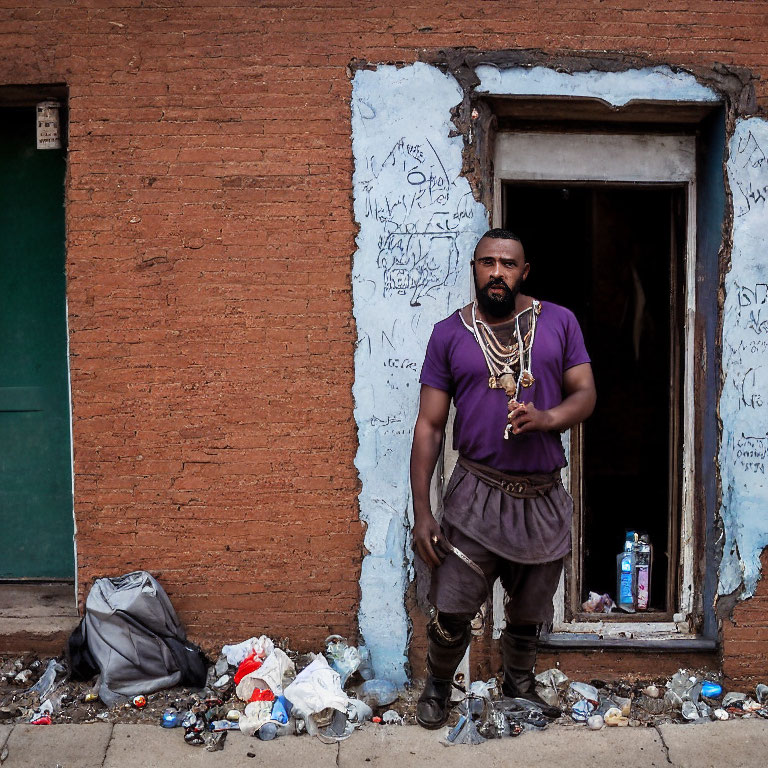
(36, 525)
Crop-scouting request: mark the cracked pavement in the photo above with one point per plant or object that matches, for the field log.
(104, 745)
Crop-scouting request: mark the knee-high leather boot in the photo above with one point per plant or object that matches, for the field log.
(449, 636)
(519, 644)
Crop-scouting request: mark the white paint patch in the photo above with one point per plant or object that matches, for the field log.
(744, 401)
(418, 225)
(616, 88)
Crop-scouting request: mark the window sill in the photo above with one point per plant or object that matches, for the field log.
(642, 638)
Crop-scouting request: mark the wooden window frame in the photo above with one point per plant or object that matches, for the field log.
(652, 159)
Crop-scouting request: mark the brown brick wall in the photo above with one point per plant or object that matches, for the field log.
(745, 637)
(210, 235)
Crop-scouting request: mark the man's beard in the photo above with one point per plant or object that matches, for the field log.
(501, 305)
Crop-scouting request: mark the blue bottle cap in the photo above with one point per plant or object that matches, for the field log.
(170, 718)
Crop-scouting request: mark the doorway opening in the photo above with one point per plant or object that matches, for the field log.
(614, 255)
(36, 486)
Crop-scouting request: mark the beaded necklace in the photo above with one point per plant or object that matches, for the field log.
(509, 365)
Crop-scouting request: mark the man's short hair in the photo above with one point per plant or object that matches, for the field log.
(497, 233)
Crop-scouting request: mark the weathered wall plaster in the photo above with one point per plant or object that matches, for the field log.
(418, 225)
(744, 401)
(617, 88)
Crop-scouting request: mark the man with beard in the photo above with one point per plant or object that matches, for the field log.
(519, 375)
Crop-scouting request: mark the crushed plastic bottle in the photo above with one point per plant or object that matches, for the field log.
(378, 692)
(493, 724)
(267, 732)
(683, 686)
(732, 697)
(221, 667)
(550, 684)
(56, 702)
(342, 657)
(584, 691)
(45, 685)
(480, 691)
(214, 741)
(365, 670)
(690, 711)
(358, 711)
(465, 732)
(583, 700)
(582, 710)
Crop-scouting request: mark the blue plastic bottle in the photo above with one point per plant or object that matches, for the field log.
(625, 573)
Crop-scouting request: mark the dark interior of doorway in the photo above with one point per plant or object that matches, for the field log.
(610, 254)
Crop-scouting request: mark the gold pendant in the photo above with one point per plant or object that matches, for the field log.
(493, 383)
(508, 384)
(527, 379)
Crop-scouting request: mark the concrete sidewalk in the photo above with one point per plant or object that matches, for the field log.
(102, 745)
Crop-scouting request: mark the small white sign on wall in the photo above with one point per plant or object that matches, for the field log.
(48, 133)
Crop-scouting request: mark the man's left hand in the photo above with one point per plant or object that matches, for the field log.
(525, 417)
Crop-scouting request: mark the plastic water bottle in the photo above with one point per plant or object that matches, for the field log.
(267, 732)
(625, 575)
(643, 559)
(377, 692)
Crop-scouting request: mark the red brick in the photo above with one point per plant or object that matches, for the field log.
(226, 130)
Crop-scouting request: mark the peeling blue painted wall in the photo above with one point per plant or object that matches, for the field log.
(418, 225)
(744, 401)
(616, 88)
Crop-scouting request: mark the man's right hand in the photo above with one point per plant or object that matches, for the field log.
(427, 440)
(425, 531)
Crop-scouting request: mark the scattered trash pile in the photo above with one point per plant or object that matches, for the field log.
(255, 687)
(132, 645)
(279, 700)
(686, 697)
(634, 565)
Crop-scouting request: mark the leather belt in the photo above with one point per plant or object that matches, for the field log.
(519, 486)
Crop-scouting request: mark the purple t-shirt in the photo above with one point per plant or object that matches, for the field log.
(454, 363)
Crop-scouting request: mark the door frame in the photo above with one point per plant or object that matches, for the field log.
(655, 159)
(29, 95)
